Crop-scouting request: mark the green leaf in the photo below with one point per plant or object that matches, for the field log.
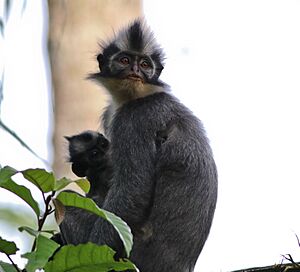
(34, 232)
(6, 173)
(62, 183)
(86, 258)
(22, 192)
(82, 183)
(29, 230)
(75, 200)
(8, 247)
(43, 251)
(44, 180)
(6, 267)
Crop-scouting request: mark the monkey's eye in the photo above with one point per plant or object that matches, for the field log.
(94, 153)
(145, 64)
(124, 60)
(104, 144)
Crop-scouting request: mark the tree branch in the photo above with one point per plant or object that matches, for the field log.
(291, 267)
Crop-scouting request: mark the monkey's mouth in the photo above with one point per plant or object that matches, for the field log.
(135, 78)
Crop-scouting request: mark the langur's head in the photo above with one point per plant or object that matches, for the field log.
(131, 60)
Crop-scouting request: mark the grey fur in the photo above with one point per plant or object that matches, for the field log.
(164, 182)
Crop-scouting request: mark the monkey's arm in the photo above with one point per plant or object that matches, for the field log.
(100, 180)
(131, 193)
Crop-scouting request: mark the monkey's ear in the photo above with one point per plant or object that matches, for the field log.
(68, 138)
(100, 61)
(158, 70)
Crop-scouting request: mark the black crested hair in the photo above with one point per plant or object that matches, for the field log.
(135, 36)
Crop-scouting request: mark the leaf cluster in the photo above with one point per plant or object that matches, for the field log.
(47, 254)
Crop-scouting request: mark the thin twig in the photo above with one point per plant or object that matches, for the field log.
(42, 220)
(298, 239)
(289, 258)
(272, 268)
(13, 134)
(43, 195)
(12, 262)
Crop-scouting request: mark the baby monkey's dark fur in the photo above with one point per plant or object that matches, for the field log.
(163, 179)
(89, 158)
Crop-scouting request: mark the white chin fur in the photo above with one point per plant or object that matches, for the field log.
(124, 90)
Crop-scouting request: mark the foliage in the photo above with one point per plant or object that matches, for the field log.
(88, 257)
(45, 253)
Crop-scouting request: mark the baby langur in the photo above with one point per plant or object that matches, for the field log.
(163, 181)
(89, 158)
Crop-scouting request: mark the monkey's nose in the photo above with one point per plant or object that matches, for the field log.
(135, 68)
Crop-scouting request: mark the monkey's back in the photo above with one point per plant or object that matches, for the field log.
(184, 178)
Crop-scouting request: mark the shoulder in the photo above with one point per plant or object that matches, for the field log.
(157, 102)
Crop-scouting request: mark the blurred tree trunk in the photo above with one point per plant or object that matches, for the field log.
(75, 29)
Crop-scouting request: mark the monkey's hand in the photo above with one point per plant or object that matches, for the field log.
(88, 153)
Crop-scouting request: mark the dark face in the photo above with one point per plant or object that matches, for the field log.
(87, 150)
(136, 67)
